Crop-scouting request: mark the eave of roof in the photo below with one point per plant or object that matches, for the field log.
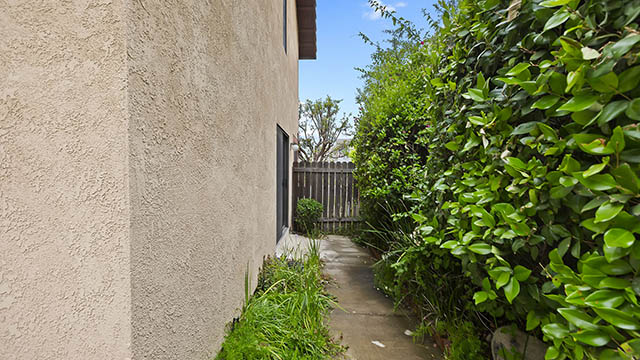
(306, 11)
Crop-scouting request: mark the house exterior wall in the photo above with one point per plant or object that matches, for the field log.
(64, 203)
(208, 82)
(137, 171)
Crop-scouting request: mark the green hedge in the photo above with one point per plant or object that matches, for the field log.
(308, 213)
(510, 140)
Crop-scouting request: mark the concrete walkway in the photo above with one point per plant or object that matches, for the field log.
(366, 321)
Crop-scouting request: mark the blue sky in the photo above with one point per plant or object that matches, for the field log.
(340, 49)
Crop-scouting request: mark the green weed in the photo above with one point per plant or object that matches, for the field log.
(285, 318)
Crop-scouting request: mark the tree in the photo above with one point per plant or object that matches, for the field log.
(320, 128)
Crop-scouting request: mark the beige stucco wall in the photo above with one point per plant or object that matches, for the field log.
(208, 82)
(137, 171)
(64, 203)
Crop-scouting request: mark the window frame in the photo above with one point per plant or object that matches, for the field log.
(282, 182)
(284, 25)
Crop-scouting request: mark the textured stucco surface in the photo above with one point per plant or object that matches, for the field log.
(137, 171)
(64, 206)
(208, 82)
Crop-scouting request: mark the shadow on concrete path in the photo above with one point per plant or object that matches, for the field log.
(366, 316)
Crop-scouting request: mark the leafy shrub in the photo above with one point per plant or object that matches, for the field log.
(510, 140)
(308, 213)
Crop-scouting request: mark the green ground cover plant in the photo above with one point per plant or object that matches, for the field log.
(285, 317)
(498, 158)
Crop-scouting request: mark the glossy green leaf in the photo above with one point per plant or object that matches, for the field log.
(478, 120)
(512, 289)
(596, 227)
(555, 257)
(594, 203)
(516, 163)
(558, 82)
(525, 128)
(568, 181)
(606, 83)
(480, 297)
(559, 192)
(618, 318)
(503, 279)
(631, 156)
(614, 283)
(600, 182)
(616, 142)
(452, 145)
(633, 110)
(450, 244)
(609, 354)
(549, 133)
(596, 168)
(627, 178)
(612, 111)
(532, 321)
(579, 103)
(573, 78)
(593, 144)
(546, 102)
(608, 211)
(557, 19)
(605, 299)
(617, 267)
(480, 248)
(554, 3)
(612, 253)
(552, 353)
(555, 330)
(619, 238)
(569, 165)
(629, 79)
(521, 273)
(475, 95)
(592, 337)
(578, 318)
(621, 47)
(518, 69)
(575, 297)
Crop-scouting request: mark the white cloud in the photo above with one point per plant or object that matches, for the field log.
(375, 14)
(372, 15)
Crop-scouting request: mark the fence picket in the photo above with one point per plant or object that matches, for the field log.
(325, 193)
(332, 195)
(349, 199)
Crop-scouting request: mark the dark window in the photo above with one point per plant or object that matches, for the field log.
(284, 25)
(282, 183)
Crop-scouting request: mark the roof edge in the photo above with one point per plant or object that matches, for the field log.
(306, 11)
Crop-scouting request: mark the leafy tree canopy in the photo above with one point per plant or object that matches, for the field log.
(320, 128)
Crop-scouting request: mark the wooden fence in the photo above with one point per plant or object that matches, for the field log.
(331, 184)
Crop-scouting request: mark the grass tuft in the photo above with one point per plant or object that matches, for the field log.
(285, 318)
